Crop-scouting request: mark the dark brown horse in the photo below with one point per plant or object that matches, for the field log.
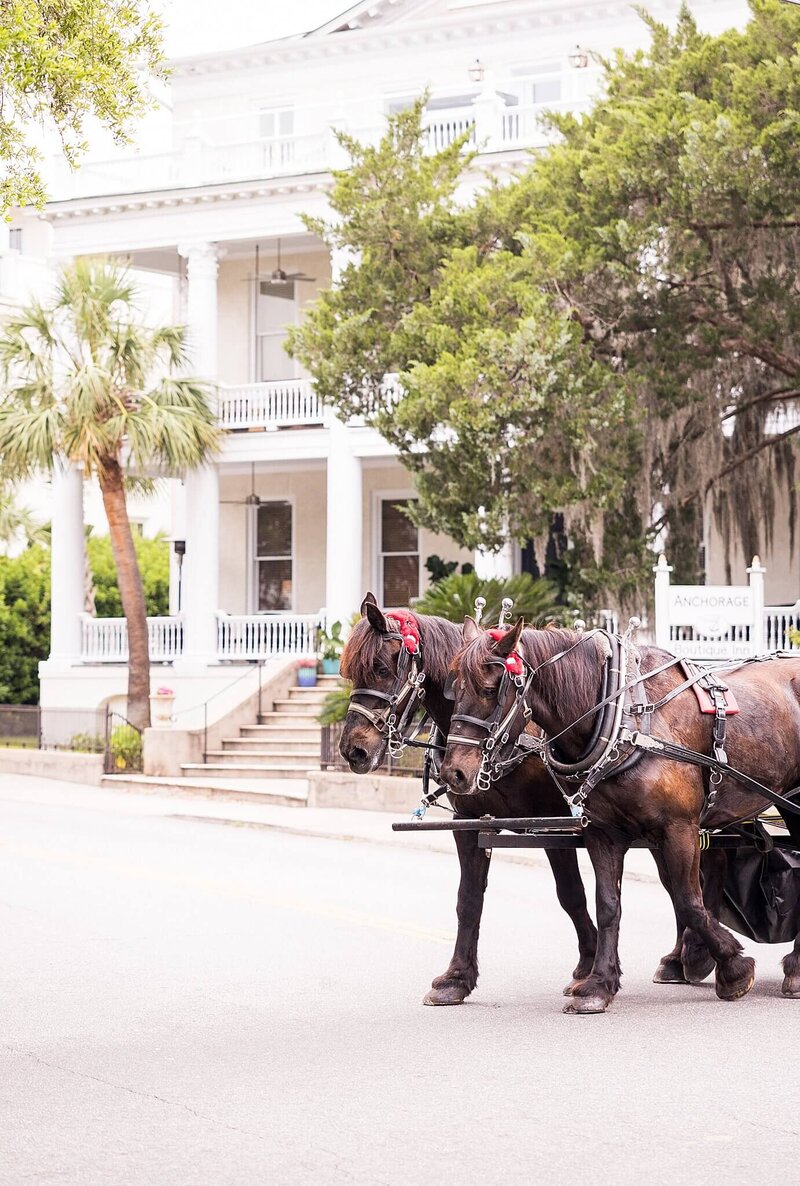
(370, 660)
(655, 799)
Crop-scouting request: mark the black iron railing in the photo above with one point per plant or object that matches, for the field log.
(409, 763)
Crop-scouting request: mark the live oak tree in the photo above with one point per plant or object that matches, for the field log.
(86, 381)
(62, 64)
(611, 334)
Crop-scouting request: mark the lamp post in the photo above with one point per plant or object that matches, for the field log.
(179, 548)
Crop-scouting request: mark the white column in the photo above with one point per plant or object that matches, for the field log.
(200, 594)
(662, 571)
(66, 567)
(344, 590)
(201, 567)
(202, 266)
(495, 566)
(756, 573)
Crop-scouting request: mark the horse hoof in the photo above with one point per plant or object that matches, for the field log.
(791, 988)
(669, 972)
(697, 972)
(733, 990)
(586, 1005)
(448, 994)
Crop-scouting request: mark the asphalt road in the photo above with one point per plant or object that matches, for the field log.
(188, 1002)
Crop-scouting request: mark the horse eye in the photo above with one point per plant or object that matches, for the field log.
(486, 693)
(383, 671)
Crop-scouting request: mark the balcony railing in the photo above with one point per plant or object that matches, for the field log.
(284, 404)
(778, 620)
(262, 636)
(105, 640)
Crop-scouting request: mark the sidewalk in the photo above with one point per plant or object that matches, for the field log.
(365, 827)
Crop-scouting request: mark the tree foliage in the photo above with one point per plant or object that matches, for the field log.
(613, 334)
(153, 558)
(62, 64)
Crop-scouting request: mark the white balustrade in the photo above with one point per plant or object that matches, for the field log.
(278, 404)
(105, 640)
(261, 636)
(778, 620)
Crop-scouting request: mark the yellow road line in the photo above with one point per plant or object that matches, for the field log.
(239, 890)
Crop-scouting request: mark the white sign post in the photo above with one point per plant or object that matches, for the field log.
(710, 621)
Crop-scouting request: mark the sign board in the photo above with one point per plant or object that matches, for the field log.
(711, 609)
(710, 622)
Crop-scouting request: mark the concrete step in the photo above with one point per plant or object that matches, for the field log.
(291, 720)
(240, 745)
(294, 704)
(290, 793)
(260, 757)
(239, 770)
(309, 694)
(289, 732)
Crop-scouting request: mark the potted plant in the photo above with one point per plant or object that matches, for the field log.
(161, 702)
(331, 645)
(307, 673)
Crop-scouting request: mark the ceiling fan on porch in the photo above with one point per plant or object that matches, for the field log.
(278, 275)
(251, 500)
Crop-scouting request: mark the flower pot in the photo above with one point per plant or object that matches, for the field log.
(306, 677)
(161, 714)
(330, 666)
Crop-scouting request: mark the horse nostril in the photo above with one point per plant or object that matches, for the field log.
(357, 754)
(456, 777)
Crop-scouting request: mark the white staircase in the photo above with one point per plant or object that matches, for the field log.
(285, 743)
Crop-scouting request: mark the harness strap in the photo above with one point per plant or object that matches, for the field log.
(690, 757)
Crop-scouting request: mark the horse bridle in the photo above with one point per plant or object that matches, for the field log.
(407, 691)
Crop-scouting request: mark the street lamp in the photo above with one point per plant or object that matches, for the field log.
(476, 70)
(578, 59)
(179, 548)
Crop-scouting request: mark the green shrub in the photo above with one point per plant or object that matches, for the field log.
(334, 706)
(86, 743)
(125, 744)
(454, 598)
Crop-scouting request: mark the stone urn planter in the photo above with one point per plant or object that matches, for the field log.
(162, 704)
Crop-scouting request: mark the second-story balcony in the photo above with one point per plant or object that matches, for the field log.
(205, 154)
(285, 403)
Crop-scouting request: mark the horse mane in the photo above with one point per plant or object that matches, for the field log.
(440, 640)
(571, 684)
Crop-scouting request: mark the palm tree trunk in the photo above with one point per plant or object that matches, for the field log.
(131, 592)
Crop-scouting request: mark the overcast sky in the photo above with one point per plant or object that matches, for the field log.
(195, 28)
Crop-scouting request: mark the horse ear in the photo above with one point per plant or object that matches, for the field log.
(374, 614)
(369, 599)
(471, 630)
(510, 640)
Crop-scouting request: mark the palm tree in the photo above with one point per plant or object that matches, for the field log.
(84, 380)
(16, 521)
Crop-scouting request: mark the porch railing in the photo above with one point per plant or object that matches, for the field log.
(105, 640)
(279, 404)
(778, 619)
(261, 636)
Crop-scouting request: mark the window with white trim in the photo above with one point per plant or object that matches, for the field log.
(276, 132)
(540, 83)
(398, 553)
(274, 561)
(276, 310)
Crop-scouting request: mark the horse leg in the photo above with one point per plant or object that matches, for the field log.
(670, 967)
(735, 972)
(462, 973)
(597, 991)
(572, 898)
(791, 972)
(697, 960)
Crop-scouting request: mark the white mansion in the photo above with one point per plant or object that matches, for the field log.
(299, 512)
